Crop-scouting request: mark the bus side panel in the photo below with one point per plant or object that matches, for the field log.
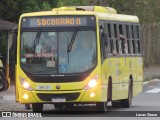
(138, 83)
(110, 69)
(127, 69)
(120, 70)
(105, 76)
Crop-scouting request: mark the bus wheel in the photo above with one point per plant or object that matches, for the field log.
(126, 103)
(37, 107)
(101, 106)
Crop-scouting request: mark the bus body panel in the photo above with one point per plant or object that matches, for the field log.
(120, 71)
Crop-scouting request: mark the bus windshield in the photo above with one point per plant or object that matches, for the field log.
(46, 52)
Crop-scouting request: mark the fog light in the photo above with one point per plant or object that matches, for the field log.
(25, 96)
(92, 94)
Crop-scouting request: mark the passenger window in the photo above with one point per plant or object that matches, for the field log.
(128, 38)
(124, 44)
(113, 35)
(116, 38)
(139, 50)
(123, 39)
(131, 40)
(109, 46)
(107, 30)
(127, 31)
(137, 42)
(120, 41)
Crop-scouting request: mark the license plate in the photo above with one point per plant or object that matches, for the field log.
(58, 99)
(44, 87)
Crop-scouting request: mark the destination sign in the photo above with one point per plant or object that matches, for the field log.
(58, 21)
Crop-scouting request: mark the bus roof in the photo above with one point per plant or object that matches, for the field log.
(103, 13)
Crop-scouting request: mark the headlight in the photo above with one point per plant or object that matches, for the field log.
(92, 83)
(25, 84)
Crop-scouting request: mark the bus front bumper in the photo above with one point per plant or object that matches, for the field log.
(90, 95)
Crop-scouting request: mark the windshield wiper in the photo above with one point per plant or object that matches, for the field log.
(72, 41)
(36, 40)
(70, 44)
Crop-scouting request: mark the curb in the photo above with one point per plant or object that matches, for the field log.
(7, 98)
(8, 95)
(151, 82)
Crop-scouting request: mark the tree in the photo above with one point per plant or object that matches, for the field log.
(12, 9)
(98, 2)
(103, 2)
(71, 3)
(8, 9)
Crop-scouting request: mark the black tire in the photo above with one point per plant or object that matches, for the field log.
(3, 82)
(37, 107)
(115, 104)
(126, 103)
(101, 106)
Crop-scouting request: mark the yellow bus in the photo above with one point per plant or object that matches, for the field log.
(75, 56)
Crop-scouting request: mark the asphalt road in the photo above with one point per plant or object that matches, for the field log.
(147, 103)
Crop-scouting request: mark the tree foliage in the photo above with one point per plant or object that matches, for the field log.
(71, 3)
(12, 9)
(148, 11)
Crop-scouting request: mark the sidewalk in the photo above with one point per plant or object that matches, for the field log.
(9, 95)
(151, 72)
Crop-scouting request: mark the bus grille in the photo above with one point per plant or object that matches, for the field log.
(49, 97)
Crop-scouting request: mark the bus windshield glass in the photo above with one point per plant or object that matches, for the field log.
(46, 52)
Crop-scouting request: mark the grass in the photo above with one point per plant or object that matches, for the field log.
(152, 77)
